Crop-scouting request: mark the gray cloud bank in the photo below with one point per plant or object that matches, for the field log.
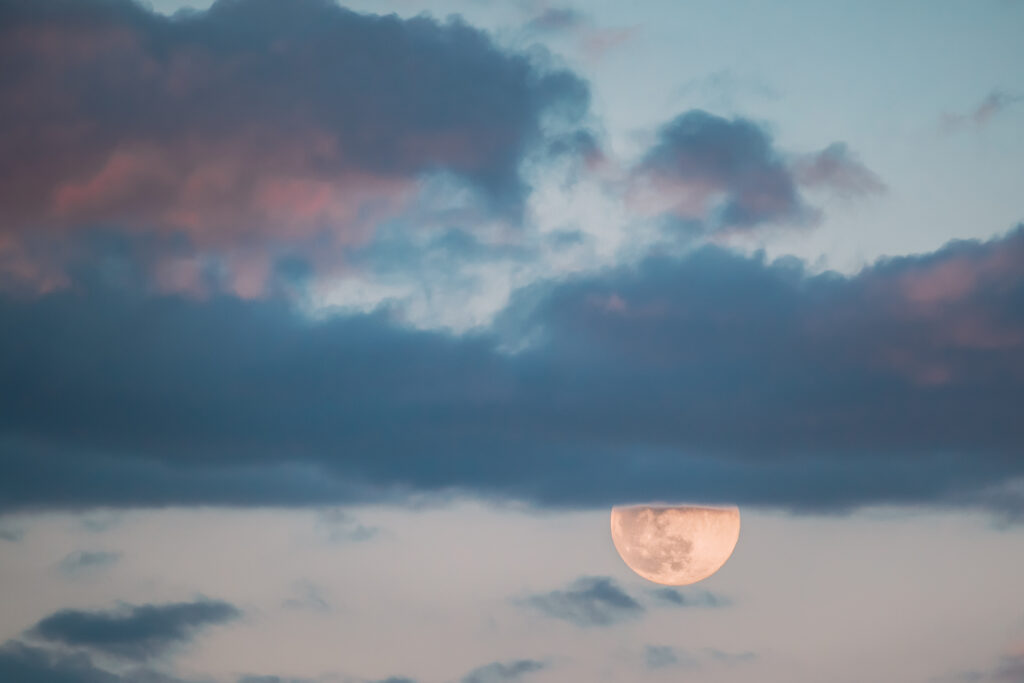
(711, 376)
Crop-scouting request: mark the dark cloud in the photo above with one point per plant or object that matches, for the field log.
(134, 633)
(671, 596)
(256, 117)
(704, 163)
(498, 672)
(21, 663)
(664, 656)
(87, 560)
(711, 376)
(589, 601)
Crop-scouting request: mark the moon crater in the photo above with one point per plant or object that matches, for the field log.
(675, 545)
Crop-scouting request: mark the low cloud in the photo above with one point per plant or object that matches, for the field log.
(87, 561)
(22, 663)
(309, 598)
(498, 672)
(589, 601)
(11, 534)
(665, 656)
(699, 598)
(338, 526)
(133, 633)
(994, 103)
(660, 656)
(835, 168)
(555, 19)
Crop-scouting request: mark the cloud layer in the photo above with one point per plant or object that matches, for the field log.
(710, 376)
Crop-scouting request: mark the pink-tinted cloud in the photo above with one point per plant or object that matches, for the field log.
(994, 103)
(598, 42)
(255, 121)
(725, 173)
(728, 176)
(835, 168)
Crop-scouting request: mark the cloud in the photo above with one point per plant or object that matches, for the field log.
(554, 19)
(495, 672)
(84, 561)
(728, 174)
(310, 598)
(1009, 669)
(258, 122)
(835, 168)
(994, 103)
(673, 597)
(340, 527)
(660, 656)
(23, 663)
(133, 633)
(11, 533)
(709, 376)
(665, 656)
(704, 164)
(498, 672)
(589, 601)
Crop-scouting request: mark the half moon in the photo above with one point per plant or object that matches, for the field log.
(675, 545)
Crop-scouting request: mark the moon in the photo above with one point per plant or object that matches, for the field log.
(675, 545)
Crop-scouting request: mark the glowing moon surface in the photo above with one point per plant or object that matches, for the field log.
(675, 546)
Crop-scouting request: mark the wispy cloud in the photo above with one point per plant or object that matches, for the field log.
(589, 601)
(87, 561)
(498, 672)
(691, 598)
(994, 103)
(11, 533)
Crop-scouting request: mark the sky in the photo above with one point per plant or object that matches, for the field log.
(330, 334)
